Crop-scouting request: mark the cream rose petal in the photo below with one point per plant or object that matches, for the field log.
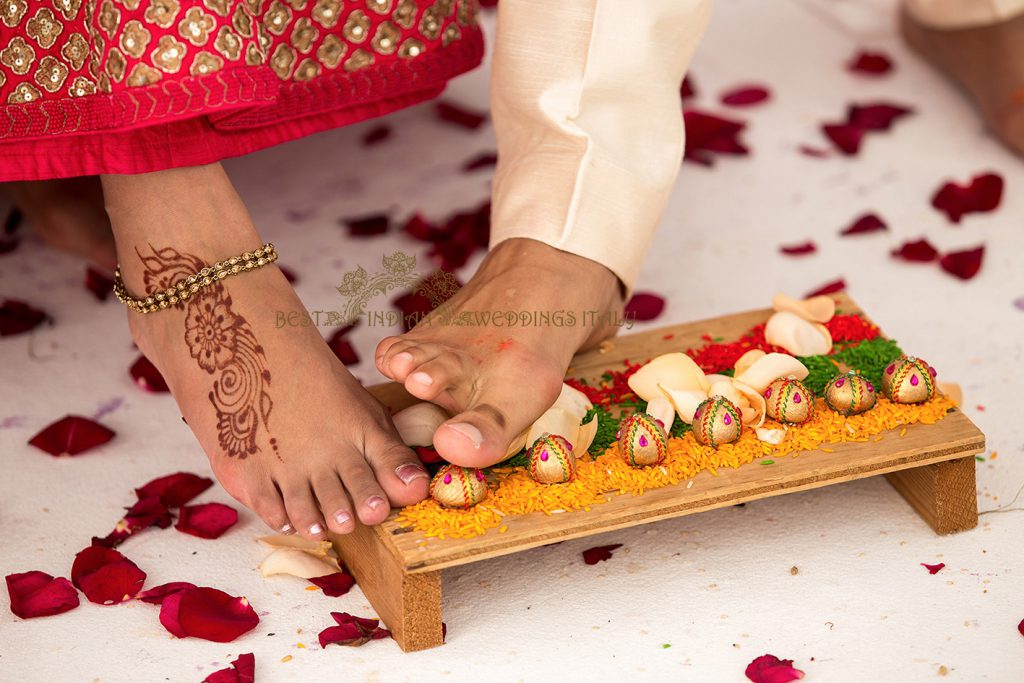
(675, 371)
(796, 335)
(819, 309)
(771, 367)
(685, 401)
(661, 409)
(296, 562)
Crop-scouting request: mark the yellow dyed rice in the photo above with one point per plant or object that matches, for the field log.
(513, 492)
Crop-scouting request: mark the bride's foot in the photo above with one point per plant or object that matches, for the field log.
(68, 215)
(988, 62)
(289, 432)
(494, 375)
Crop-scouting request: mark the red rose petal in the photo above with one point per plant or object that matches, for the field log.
(209, 520)
(98, 283)
(242, 670)
(207, 613)
(488, 3)
(745, 96)
(1020, 627)
(867, 223)
(71, 435)
(352, 631)
(37, 594)
(599, 553)
(376, 135)
(984, 193)
(334, 585)
(427, 455)
(816, 152)
(878, 117)
(485, 160)
(433, 290)
(799, 249)
(828, 288)
(870, 63)
(846, 137)
(147, 377)
(771, 669)
(157, 594)
(933, 568)
(687, 90)
(707, 133)
(919, 251)
(175, 490)
(419, 228)
(9, 240)
(459, 115)
(343, 348)
(17, 317)
(644, 306)
(963, 264)
(289, 275)
(147, 512)
(105, 576)
(368, 226)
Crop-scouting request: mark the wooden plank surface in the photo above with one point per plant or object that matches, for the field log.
(954, 437)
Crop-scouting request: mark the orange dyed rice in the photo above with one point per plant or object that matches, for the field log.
(513, 492)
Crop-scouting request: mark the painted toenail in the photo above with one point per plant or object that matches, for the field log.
(469, 431)
(374, 502)
(422, 378)
(287, 529)
(316, 529)
(342, 518)
(409, 473)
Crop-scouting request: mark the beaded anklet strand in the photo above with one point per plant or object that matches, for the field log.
(186, 287)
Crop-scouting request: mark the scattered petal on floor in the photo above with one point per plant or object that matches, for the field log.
(334, 585)
(207, 613)
(485, 160)
(599, 553)
(100, 284)
(802, 249)
(963, 264)
(242, 670)
(430, 293)
(342, 347)
(867, 223)
(289, 275)
(17, 317)
(37, 594)
(815, 152)
(376, 135)
(71, 435)
(351, 631)
(771, 669)
(983, 193)
(146, 376)
(157, 594)
(848, 135)
(828, 288)
(105, 576)
(920, 251)
(367, 226)
(933, 568)
(175, 490)
(209, 520)
(145, 513)
(687, 89)
(644, 306)
(1020, 627)
(870, 63)
(745, 96)
(707, 134)
(460, 115)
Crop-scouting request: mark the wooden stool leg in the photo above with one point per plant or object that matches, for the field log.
(408, 604)
(944, 494)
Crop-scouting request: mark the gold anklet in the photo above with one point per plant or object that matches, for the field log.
(183, 289)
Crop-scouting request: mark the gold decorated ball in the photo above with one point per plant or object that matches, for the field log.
(552, 460)
(643, 440)
(908, 380)
(850, 394)
(789, 400)
(458, 487)
(716, 421)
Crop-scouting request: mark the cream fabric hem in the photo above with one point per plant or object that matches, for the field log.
(957, 14)
(586, 108)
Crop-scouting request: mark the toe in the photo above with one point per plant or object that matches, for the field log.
(398, 471)
(303, 510)
(268, 504)
(369, 500)
(432, 378)
(404, 357)
(334, 503)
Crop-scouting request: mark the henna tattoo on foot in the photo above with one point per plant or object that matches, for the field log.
(223, 344)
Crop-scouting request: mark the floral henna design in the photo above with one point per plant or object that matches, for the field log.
(223, 344)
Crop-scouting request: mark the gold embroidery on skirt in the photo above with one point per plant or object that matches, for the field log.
(379, 6)
(451, 34)
(159, 12)
(68, 8)
(11, 12)
(81, 87)
(219, 7)
(430, 24)
(411, 48)
(331, 50)
(44, 27)
(405, 13)
(303, 36)
(327, 12)
(253, 55)
(307, 71)
(18, 56)
(356, 26)
(135, 38)
(143, 75)
(277, 18)
(76, 50)
(228, 44)
(282, 61)
(51, 74)
(242, 22)
(206, 63)
(23, 94)
(359, 59)
(116, 65)
(168, 54)
(196, 25)
(385, 40)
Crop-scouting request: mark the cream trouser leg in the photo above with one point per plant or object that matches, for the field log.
(585, 100)
(955, 14)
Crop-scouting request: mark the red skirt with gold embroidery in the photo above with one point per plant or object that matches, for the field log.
(132, 86)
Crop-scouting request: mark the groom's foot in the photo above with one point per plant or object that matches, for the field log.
(68, 214)
(987, 62)
(288, 431)
(496, 376)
